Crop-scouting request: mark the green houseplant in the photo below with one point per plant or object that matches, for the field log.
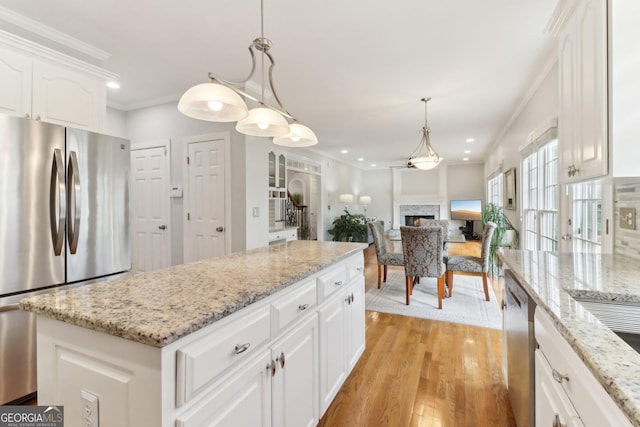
(494, 213)
(348, 227)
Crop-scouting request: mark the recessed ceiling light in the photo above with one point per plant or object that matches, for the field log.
(465, 159)
(113, 85)
(361, 159)
(467, 151)
(373, 165)
(470, 139)
(344, 151)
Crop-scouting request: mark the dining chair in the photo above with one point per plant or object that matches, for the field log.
(472, 264)
(384, 258)
(422, 252)
(444, 223)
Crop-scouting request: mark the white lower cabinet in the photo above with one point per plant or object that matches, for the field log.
(244, 399)
(567, 393)
(295, 382)
(342, 338)
(553, 407)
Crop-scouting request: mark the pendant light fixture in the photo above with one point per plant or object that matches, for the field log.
(222, 101)
(424, 157)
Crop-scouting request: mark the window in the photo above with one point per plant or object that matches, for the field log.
(495, 189)
(587, 217)
(540, 195)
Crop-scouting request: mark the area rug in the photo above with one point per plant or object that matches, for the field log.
(467, 305)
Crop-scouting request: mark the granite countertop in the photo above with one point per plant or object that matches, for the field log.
(554, 280)
(160, 307)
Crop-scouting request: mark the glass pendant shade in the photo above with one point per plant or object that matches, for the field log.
(263, 121)
(425, 157)
(298, 136)
(213, 102)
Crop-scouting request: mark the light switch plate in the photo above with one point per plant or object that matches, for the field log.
(256, 212)
(628, 218)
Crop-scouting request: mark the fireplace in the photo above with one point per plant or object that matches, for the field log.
(412, 220)
(415, 211)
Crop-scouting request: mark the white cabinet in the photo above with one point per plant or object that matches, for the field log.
(564, 385)
(553, 407)
(295, 383)
(15, 83)
(45, 85)
(244, 400)
(277, 171)
(624, 89)
(342, 336)
(582, 124)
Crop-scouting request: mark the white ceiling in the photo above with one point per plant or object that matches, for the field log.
(352, 70)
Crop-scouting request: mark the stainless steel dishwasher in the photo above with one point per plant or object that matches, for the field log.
(521, 344)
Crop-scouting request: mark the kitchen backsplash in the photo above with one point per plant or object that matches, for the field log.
(627, 195)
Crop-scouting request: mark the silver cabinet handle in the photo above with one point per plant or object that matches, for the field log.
(73, 202)
(241, 348)
(572, 170)
(219, 229)
(303, 307)
(281, 360)
(162, 227)
(38, 117)
(272, 367)
(338, 283)
(57, 202)
(559, 377)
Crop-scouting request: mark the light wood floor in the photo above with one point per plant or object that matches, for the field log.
(417, 372)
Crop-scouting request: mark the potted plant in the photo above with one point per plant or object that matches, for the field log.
(348, 227)
(494, 213)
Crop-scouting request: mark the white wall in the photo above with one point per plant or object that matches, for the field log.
(536, 110)
(116, 123)
(379, 185)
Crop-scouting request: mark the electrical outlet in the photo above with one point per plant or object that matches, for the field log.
(628, 218)
(89, 409)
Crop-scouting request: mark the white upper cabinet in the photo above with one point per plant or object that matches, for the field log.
(40, 83)
(15, 83)
(624, 89)
(67, 97)
(582, 125)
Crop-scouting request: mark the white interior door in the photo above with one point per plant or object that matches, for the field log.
(151, 247)
(205, 200)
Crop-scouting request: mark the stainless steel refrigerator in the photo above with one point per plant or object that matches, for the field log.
(64, 219)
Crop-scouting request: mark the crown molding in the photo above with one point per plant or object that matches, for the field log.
(564, 9)
(35, 27)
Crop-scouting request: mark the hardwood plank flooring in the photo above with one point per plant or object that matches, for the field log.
(419, 372)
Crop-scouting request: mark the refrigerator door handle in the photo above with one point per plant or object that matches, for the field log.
(57, 202)
(74, 202)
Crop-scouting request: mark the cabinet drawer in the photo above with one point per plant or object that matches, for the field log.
(287, 309)
(355, 266)
(199, 362)
(332, 281)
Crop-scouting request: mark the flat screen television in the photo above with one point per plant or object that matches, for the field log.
(466, 210)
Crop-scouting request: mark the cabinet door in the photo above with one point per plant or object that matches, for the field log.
(245, 400)
(333, 343)
(355, 322)
(295, 384)
(591, 101)
(552, 404)
(15, 83)
(567, 88)
(68, 98)
(282, 171)
(272, 169)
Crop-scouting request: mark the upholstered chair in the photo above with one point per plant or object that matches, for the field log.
(422, 251)
(444, 223)
(473, 264)
(384, 258)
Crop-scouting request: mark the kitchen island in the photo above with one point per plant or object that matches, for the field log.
(262, 337)
(568, 289)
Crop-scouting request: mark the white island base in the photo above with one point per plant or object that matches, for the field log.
(279, 361)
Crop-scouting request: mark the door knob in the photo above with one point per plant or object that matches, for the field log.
(162, 227)
(220, 229)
